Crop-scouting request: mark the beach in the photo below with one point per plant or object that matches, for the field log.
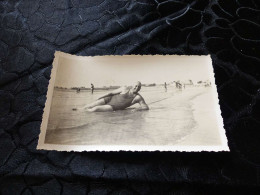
(176, 117)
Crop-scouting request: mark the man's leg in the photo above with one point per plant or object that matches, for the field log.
(96, 103)
(93, 104)
(102, 108)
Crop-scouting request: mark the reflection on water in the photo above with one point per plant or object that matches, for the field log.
(169, 119)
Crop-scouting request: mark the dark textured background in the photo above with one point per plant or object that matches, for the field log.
(30, 32)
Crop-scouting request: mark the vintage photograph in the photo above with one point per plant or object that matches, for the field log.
(132, 103)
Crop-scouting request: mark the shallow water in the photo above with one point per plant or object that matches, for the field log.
(169, 120)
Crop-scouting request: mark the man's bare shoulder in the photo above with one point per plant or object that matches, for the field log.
(119, 90)
(125, 88)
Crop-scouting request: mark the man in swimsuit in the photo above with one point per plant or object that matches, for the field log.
(118, 99)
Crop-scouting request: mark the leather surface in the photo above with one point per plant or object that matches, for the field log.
(30, 32)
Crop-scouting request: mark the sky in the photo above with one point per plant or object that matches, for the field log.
(126, 70)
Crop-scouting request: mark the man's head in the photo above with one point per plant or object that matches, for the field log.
(137, 87)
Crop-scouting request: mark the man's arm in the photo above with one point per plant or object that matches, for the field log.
(117, 91)
(139, 99)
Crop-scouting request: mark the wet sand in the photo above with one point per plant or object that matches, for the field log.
(205, 132)
(175, 118)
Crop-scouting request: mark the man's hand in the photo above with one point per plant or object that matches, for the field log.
(139, 109)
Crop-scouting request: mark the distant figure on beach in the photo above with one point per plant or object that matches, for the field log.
(178, 84)
(78, 90)
(92, 88)
(165, 86)
(118, 99)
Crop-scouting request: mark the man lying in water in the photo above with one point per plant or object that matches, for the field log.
(118, 99)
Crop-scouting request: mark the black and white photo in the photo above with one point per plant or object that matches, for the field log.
(132, 103)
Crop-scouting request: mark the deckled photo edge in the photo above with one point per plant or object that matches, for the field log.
(47, 107)
(222, 131)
